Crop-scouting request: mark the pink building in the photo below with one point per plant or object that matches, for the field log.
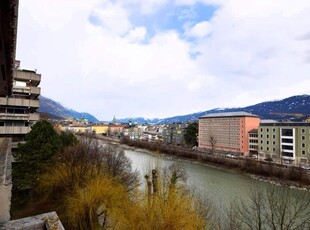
(227, 131)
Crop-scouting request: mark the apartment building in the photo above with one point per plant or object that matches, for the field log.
(227, 131)
(174, 133)
(287, 142)
(18, 107)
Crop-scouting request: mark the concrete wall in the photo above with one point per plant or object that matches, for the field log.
(5, 179)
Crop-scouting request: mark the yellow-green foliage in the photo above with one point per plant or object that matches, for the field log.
(84, 193)
(101, 194)
(171, 207)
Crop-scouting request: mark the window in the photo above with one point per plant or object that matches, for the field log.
(303, 138)
(273, 142)
(286, 154)
(267, 130)
(287, 147)
(274, 149)
(303, 130)
(261, 142)
(285, 140)
(287, 132)
(267, 136)
(267, 142)
(261, 135)
(273, 136)
(273, 130)
(1, 123)
(303, 152)
(303, 145)
(261, 148)
(267, 148)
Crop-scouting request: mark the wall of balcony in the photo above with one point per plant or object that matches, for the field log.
(9, 130)
(27, 75)
(6, 101)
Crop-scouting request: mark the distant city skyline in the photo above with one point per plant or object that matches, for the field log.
(161, 58)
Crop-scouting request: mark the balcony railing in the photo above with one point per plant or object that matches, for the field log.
(20, 117)
(18, 102)
(14, 130)
(28, 90)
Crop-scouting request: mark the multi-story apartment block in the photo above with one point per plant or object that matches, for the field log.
(18, 109)
(285, 141)
(174, 133)
(227, 131)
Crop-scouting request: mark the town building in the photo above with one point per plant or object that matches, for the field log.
(174, 133)
(285, 142)
(228, 132)
(18, 109)
(100, 129)
(116, 129)
(134, 132)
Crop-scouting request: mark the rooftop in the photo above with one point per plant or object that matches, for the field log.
(253, 131)
(229, 114)
(287, 124)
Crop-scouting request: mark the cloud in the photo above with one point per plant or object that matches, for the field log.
(112, 17)
(137, 34)
(94, 57)
(199, 30)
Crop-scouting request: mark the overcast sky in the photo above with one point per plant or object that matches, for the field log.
(160, 58)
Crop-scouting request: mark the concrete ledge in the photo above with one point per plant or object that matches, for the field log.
(49, 221)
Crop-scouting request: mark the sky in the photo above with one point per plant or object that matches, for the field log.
(161, 58)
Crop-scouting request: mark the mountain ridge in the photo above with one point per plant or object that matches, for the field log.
(274, 109)
(284, 109)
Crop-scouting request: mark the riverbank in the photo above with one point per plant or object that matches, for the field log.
(292, 177)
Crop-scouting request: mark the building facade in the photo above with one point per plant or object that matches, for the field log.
(18, 109)
(174, 133)
(253, 142)
(287, 142)
(226, 131)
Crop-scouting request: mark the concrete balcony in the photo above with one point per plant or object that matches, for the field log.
(20, 117)
(24, 75)
(9, 130)
(18, 102)
(28, 90)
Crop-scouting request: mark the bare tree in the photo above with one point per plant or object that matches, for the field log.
(119, 166)
(270, 208)
(212, 141)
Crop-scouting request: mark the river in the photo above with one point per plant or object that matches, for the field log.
(221, 186)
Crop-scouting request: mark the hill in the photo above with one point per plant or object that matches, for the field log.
(55, 109)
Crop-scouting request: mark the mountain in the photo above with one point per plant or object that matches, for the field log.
(51, 108)
(294, 108)
(139, 120)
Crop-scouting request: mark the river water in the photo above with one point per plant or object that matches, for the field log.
(218, 185)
